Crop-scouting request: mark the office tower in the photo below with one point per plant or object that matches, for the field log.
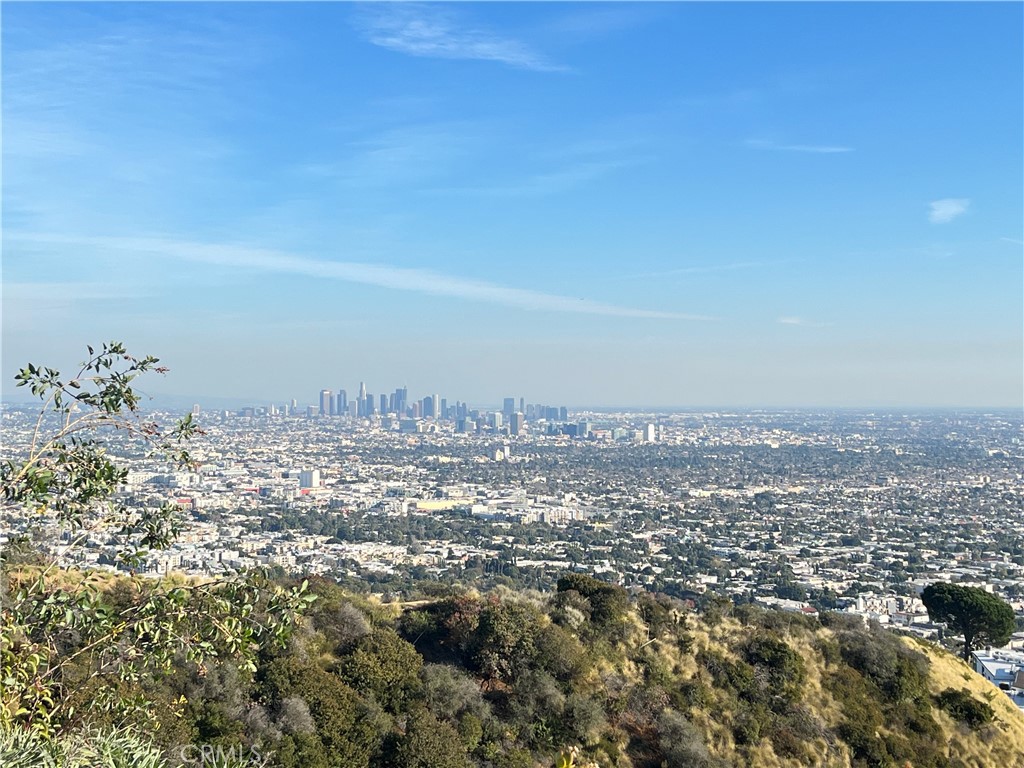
(496, 420)
(436, 405)
(384, 404)
(342, 402)
(353, 408)
(310, 411)
(509, 407)
(195, 409)
(650, 433)
(563, 414)
(522, 405)
(361, 400)
(428, 407)
(517, 423)
(369, 405)
(295, 403)
(325, 402)
(443, 414)
(417, 410)
(309, 478)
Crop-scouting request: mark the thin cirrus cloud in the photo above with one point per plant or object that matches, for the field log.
(380, 275)
(436, 33)
(792, 320)
(817, 149)
(947, 209)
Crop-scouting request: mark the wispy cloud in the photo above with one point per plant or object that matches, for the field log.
(947, 209)
(435, 32)
(1013, 240)
(401, 156)
(818, 149)
(67, 292)
(791, 320)
(381, 275)
(708, 269)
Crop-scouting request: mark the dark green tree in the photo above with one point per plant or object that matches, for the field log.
(982, 618)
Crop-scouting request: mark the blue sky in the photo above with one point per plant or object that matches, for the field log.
(646, 204)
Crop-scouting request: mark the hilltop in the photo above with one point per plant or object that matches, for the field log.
(519, 679)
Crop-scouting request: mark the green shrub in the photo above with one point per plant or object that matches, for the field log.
(963, 707)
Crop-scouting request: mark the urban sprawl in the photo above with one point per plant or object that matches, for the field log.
(804, 511)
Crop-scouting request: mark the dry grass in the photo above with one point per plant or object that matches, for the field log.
(1000, 745)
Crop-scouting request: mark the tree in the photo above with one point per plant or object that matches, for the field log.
(63, 630)
(982, 618)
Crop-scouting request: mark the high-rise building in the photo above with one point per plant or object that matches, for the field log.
(517, 423)
(342, 402)
(509, 407)
(436, 404)
(650, 433)
(361, 400)
(443, 412)
(384, 404)
(309, 478)
(368, 405)
(325, 402)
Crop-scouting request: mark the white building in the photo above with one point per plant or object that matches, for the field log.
(1004, 669)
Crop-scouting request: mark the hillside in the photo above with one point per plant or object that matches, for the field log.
(514, 680)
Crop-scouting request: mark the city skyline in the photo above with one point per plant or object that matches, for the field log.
(651, 205)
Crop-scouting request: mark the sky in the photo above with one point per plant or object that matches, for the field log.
(636, 204)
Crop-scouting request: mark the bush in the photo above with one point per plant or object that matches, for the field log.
(428, 743)
(608, 602)
(384, 665)
(680, 742)
(963, 707)
(783, 667)
(898, 672)
(81, 749)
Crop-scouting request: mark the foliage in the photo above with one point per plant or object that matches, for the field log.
(982, 618)
(20, 748)
(60, 631)
(345, 728)
(897, 672)
(608, 603)
(681, 742)
(963, 707)
(384, 666)
(428, 743)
